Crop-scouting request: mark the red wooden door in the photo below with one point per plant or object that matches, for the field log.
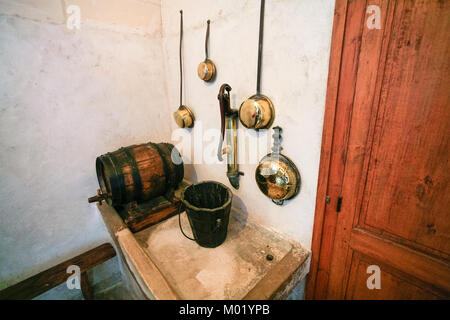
(385, 155)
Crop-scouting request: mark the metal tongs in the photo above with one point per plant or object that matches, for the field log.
(228, 119)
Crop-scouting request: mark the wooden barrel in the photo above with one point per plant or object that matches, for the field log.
(139, 172)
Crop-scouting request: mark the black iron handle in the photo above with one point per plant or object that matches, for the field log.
(181, 62)
(260, 47)
(179, 221)
(206, 41)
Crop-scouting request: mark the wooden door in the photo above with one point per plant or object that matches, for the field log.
(383, 198)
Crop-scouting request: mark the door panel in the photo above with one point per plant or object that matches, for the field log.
(389, 156)
(395, 285)
(421, 266)
(409, 191)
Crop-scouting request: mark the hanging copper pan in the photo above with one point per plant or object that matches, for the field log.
(257, 112)
(276, 175)
(184, 117)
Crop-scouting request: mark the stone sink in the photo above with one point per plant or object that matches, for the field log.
(253, 263)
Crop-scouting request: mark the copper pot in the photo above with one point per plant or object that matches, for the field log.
(184, 117)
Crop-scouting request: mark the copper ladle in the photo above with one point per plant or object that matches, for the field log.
(257, 112)
(184, 117)
(206, 70)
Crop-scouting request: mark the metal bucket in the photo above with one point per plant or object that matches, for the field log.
(208, 207)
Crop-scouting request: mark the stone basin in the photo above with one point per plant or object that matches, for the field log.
(253, 263)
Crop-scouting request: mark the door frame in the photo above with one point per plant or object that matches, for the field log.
(334, 71)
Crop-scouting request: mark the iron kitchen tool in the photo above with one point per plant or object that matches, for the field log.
(228, 118)
(257, 112)
(207, 70)
(276, 175)
(184, 117)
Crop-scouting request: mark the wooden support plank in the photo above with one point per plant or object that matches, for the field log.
(151, 219)
(50, 278)
(85, 287)
(141, 217)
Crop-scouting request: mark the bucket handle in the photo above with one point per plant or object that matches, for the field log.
(179, 221)
(216, 228)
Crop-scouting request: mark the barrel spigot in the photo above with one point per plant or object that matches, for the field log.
(99, 197)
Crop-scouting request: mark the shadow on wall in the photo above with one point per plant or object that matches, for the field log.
(242, 216)
(190, 174)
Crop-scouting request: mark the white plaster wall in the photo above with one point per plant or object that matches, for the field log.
(65, 98)
(297, 40)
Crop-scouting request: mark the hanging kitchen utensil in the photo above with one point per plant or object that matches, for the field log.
(184, 117)
(207, 70)
(257, 112)
(228, 118)
(276, 175)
